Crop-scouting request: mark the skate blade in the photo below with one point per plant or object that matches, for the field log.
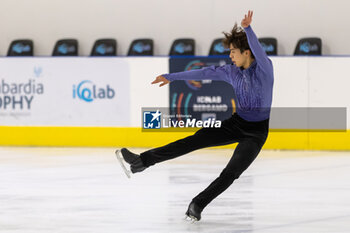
(191, 219)
(121, 161)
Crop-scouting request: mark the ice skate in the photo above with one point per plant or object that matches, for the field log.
(193, 212)
(126, 159)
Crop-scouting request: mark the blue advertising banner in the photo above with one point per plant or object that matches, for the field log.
(204, 99)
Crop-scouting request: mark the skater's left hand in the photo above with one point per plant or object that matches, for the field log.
(247, 19)
(162, 80)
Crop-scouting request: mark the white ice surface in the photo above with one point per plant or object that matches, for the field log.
(84, 190)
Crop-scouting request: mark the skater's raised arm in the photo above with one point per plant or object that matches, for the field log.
(259, 53)
(219, 73)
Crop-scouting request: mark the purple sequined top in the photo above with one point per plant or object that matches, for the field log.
(253, 86)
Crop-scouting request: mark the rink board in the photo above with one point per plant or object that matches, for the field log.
(71, 121)
(134, 137)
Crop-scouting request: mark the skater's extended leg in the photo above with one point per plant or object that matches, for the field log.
(204, 137)
(244, 155)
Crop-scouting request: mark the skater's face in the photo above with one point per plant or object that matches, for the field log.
(238, 58)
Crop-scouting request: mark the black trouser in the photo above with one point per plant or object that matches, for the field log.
(250, 136)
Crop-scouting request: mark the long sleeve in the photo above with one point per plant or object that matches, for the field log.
(260, 55)
(219, 73)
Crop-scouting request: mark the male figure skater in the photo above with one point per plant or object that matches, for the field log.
(251, 76)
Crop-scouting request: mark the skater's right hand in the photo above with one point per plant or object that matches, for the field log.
(247, 20)
(162, 80)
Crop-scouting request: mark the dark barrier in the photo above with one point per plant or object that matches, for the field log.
(204, 99)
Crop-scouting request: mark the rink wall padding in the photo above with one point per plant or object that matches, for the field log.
(85, 101)
(135, 137)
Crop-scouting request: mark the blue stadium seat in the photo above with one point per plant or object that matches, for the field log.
(104, 47)
(309, 46)
(218, 48)
(21, 48)
(182, 47)
(269, 44)
(66, 47)
(141, 47)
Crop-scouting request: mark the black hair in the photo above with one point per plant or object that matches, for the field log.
(238, 39)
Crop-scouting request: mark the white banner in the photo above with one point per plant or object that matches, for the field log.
(64, 92)
(143, 70)
(112, 91)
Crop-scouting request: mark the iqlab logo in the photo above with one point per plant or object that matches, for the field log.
(88, 91)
